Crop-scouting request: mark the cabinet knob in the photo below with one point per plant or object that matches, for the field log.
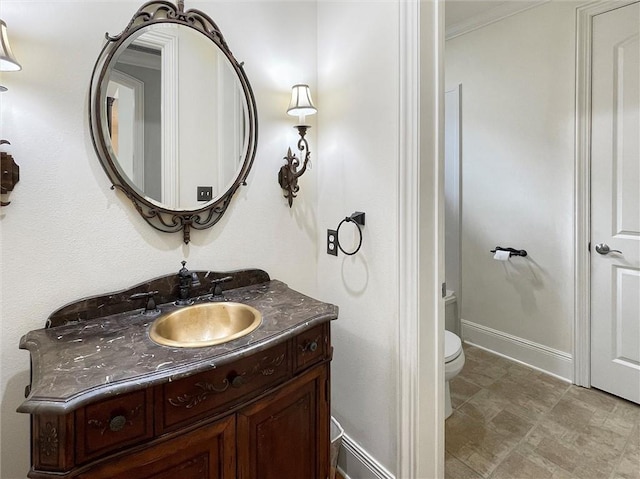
(312, 346)
(237, 381)
(117, 423)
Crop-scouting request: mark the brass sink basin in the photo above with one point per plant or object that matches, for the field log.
(205, 324)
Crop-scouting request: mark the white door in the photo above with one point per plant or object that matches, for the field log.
(615, 203)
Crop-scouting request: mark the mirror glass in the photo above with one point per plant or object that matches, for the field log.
(175, 116)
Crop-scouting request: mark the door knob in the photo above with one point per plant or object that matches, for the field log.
(603, 248)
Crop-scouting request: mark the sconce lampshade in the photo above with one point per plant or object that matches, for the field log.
(8, 62)
(301, 104)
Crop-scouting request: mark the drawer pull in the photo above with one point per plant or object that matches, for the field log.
(237, 381)
(310, 346)
(117, 423)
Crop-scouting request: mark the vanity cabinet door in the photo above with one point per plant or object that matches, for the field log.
(204, 453)
(286, 434)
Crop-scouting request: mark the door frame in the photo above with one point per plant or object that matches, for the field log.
(137, 86)
(582, 187)
(420, 339)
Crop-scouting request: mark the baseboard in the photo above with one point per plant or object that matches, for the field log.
(356, 463)
(342, 473)
(529, 353)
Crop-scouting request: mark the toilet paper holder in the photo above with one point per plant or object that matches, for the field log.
(512, 251)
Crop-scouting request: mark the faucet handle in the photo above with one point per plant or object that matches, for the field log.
(216, 290)
(221, 280)
(150, 307)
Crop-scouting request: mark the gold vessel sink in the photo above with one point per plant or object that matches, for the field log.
(205, 324)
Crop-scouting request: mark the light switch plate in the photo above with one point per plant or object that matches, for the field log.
(205, 193)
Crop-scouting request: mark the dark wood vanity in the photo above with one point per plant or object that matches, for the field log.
(256, 409)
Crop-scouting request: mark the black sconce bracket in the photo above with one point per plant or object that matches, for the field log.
(289, 173)
(10, 173)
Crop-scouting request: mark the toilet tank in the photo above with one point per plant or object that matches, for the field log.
(451, 320)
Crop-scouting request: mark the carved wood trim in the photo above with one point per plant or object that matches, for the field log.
(50, 433)
(48, 439)
(189, 400)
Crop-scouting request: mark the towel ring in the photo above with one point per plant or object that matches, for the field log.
(349, 219)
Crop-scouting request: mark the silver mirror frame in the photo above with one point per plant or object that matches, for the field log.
(161, 218)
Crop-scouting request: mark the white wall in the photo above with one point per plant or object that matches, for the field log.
(517, 79)
(357, 168)
(66, 235)
(452, 177)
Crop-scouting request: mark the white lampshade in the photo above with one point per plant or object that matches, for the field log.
(8, 62)
(301, 104)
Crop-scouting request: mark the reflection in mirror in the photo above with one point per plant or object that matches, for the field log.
(132, 123)
(206, 110)
(173, 117)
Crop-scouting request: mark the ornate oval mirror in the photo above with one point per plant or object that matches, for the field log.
(173, 117)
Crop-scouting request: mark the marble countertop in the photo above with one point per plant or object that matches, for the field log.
(79, 363)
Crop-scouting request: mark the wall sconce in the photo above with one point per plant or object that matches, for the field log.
(8, 62)
(9, 170)
(301, 105)
(9, 173)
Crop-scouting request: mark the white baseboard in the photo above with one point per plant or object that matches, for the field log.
(535, 355)
(356, 463)
(343, 474)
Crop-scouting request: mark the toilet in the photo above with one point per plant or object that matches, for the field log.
(453, 363)
(451, 320)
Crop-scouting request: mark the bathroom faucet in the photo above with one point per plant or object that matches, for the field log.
(186, 279)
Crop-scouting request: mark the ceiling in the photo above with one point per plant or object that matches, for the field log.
(466, 15)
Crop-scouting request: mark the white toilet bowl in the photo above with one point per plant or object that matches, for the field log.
(453, 363)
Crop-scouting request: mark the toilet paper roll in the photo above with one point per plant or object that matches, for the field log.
(501, 255)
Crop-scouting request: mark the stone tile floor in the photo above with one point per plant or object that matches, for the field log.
(513, 422)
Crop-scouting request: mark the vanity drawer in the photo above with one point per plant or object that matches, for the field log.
(219, 389)
(310, 347)
(113, 424)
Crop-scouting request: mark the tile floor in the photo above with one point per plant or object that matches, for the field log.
(512, 422)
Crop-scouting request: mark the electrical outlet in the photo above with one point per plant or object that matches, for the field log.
(332, 242)
(205, 193)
